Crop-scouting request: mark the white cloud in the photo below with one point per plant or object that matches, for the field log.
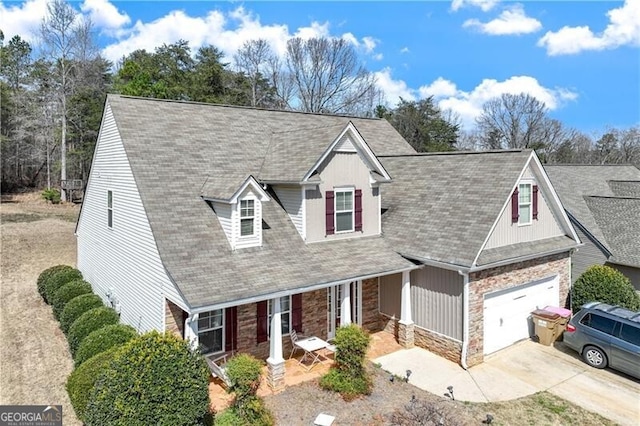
(485, 5)
(438, 89)
(623, 29)
(369, 44)
(404, 50)
(104, 15)
(512, 20)
(23, 19)
(393, 89)
(378, 56)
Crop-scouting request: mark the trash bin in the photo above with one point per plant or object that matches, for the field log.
(565, 315)
(545, 324)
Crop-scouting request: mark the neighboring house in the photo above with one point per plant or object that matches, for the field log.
(231, 226)
(603, 203)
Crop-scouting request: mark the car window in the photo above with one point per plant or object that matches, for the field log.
(598, 322)
(630, 334)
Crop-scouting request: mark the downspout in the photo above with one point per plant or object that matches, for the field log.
(465, 319)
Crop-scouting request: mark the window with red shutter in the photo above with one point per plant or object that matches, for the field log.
(231, 327)
(296, 312)
(358, 210)
(329, 221)
(514, 206)
(262, 321)
(535, 202)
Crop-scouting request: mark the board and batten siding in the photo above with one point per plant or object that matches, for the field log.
(436, 300)
(339, 170)
(124, 260)
(291, 199)
(390, 294)
(587, 255)
(506, 232)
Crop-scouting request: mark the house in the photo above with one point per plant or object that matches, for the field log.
(603, 203)
(232, 226)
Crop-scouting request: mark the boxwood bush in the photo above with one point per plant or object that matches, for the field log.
(57, 280)
(104, 339)
(76, 307)
(81, 381)
(247, 408)
(67, 292)
(604, 284)
(47, 274)
(154, 379)
(90, 321)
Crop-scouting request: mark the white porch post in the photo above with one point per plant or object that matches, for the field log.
(275, 362)
(345, 304)
(191, 330)
(406, 326)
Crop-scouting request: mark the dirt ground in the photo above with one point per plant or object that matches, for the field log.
(35, 361)
(34, 356)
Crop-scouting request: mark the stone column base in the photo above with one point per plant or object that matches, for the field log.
(275, 374)
(406, 334)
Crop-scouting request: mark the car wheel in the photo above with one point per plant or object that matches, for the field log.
(594, 357)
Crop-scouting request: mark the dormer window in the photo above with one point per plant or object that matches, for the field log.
(524, 203)
(247, 218)
(344, 210)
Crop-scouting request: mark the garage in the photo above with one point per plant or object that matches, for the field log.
(507, 312)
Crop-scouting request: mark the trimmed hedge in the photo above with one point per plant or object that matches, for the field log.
(76, 307)
(57, 280)
(604, 284)
(154, 379)
(47, 274)
(67, 292)
(247, 408)
(90, 321)
(81, 381)
(104, 339)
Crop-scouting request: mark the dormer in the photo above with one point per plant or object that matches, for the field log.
(238, 208)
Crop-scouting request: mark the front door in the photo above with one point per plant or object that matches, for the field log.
(334, 305)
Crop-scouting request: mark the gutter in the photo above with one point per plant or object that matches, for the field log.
(465, 319)
(523, 258)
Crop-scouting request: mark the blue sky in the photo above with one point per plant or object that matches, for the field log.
(581, 58)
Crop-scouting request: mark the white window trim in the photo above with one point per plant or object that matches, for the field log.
(530, 204)
(241, 218)
(109, 209)
(353, 209)
(282, 311)
(213, 328)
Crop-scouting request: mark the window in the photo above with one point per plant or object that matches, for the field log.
(110, 209)
(524, 203)
(344, 210)
(598, 322)
(247, 216)
(630, 334)
(285, 314)
(211, 331)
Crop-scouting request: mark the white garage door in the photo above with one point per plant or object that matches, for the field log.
(507, 312)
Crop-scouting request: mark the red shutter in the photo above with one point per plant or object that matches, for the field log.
(358, 203)
(296, 312)
(514, 206)
(230, 328)
(330, 226)
(263, 321)
(535, 201)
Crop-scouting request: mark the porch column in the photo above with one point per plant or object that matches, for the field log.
(345, 304)
(191, 330)
(275, 362)
(406, 325)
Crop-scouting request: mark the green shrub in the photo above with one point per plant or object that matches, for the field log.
(349, 376)
(604, 284)
(255, 414)
(244, 373)
(67, 292)
(52, 195)
(81, 381)
(154, 379)
(76, 307)
(90, 321)
(47, 274)
(103, 339)
(57, 280)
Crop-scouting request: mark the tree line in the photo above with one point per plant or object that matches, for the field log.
(52, 95)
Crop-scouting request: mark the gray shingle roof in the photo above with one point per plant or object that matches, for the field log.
(221, 187)
(619, 221)
(174, 147)
(625, 188)
(442, 207)
(514, 251)
(574, 182)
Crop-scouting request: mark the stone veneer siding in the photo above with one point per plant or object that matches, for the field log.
(174, 318)
(508, 276)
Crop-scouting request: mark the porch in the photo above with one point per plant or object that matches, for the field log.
(382, 343)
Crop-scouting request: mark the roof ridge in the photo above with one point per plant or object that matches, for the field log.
(431, 154)
(177, 101)
(589, 165)
(612, 197)
(342, 126)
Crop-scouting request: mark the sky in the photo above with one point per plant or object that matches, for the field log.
(581, 58)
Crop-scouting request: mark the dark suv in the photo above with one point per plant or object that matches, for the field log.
(606, 335)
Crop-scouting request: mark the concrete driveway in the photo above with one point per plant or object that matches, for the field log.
(521, 370)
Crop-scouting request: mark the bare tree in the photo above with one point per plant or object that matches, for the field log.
(253, 59)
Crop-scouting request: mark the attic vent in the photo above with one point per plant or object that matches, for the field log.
(345, 145)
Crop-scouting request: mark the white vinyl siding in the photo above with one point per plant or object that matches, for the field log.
(587, 255)
(291, 199)
(123, 260)
(224, 213)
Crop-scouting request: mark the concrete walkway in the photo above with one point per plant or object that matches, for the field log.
(521, 370)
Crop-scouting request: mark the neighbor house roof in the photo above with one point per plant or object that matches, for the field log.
(576, 184)
(441, 207)
(177, 150)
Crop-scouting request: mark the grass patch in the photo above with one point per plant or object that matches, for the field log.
(20, 217)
